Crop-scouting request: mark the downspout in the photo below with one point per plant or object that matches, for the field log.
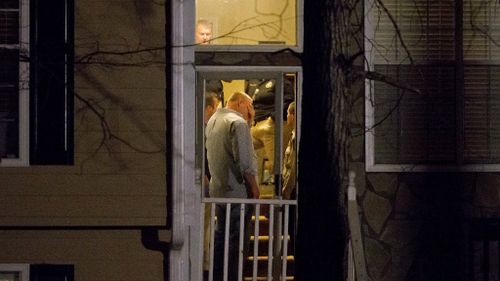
(150, 240)
(168, 113)
(165, 249)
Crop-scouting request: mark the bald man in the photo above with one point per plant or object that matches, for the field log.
(232, 164)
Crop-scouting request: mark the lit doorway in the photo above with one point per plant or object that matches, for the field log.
(275, 92)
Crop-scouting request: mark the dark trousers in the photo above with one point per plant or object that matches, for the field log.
(234, 237)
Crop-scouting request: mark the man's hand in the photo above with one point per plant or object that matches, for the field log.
(255, 193)
(251, 186)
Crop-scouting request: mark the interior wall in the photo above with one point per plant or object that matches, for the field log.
(233, 86)
(241, 22)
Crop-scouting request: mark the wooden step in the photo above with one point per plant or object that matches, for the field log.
(264, 244)
(266, 258)
(264, 278)
(263, 263)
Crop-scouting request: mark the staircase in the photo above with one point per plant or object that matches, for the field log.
(265, 270)
(264, 251)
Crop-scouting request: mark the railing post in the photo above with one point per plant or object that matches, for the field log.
(355, 229)
(278, 232)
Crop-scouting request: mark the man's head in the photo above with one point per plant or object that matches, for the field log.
(290, 118)
(211, 105)
(203, 33)
(242, 103)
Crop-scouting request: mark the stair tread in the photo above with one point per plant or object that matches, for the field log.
(265, 237)
(265, 258)
(259, 278)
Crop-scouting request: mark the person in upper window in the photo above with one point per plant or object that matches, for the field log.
(203, 33)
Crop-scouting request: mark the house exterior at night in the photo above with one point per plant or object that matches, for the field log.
(100, 178)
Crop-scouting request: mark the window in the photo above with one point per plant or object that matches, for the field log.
(36, 272)
(14, 272)
(36, 82)
(249, 25)
(444, 112)
(272, 89)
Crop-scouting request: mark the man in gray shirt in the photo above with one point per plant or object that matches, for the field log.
(230, 153)
(232, 164)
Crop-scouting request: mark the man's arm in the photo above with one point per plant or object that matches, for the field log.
(244, 153)
(251, 186)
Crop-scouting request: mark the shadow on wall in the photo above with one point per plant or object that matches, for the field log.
(422, 236)
(439, 244)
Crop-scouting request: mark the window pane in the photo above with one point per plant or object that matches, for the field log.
(481, 29)
(9, 4)
(51, 84)
(9, 104)
(9, 68)
(254, 22)
(271, 118)
(482, 114)
(415, 128)
(481, 83)
(427, 30)
(9, 27)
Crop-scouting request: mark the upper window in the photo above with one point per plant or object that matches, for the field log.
(248, 25)
(437, 105)
(36, 78)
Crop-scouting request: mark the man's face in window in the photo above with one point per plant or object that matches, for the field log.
(203, 34)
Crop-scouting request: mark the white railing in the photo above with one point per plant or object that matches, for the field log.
(239, 213)
(356, 265)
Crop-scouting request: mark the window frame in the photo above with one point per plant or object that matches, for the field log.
(262, 48)
(22, 268)
(370, 164)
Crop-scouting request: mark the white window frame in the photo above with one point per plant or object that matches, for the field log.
(22, 268)
(23, 46)
(370, 165)
(263, 48)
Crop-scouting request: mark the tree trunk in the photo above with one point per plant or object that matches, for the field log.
(322, 228)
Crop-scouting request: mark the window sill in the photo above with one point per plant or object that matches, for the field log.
(397, 168)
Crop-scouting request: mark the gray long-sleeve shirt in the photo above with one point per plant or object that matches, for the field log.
(230, 154)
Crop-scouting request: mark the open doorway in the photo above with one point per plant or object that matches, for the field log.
(266, 240)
